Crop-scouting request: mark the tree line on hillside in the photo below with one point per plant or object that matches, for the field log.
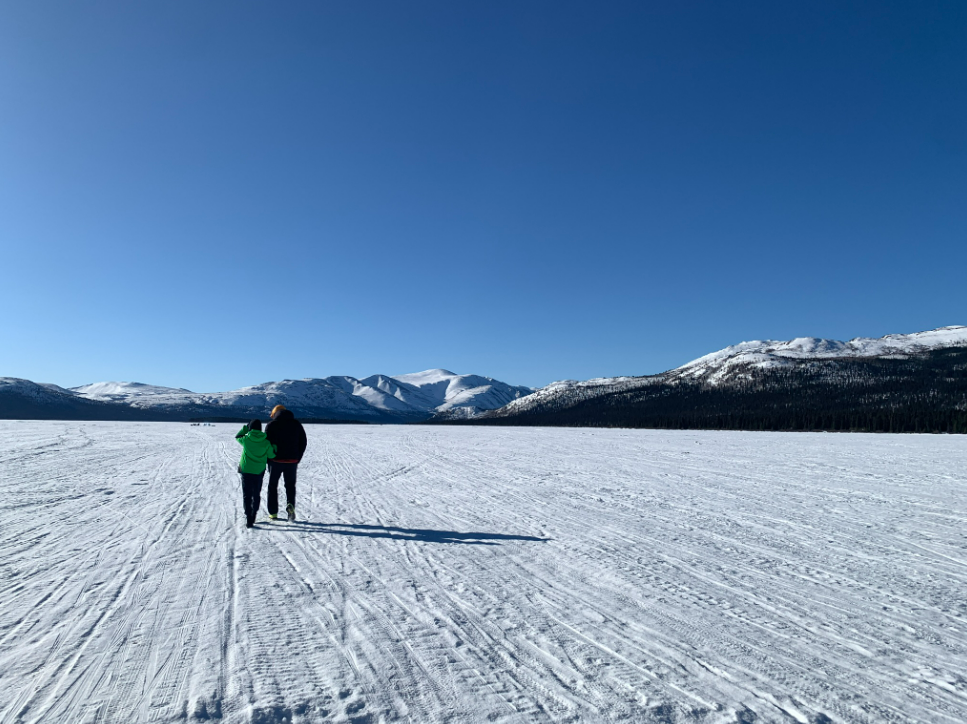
(926, 393)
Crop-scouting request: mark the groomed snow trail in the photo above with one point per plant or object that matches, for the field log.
(484, 575)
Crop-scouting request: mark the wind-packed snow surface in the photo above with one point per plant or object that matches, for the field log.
(444, 574)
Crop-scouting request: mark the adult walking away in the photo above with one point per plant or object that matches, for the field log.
(256, 452)
(289, 437)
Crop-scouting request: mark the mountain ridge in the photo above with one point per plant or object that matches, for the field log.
(763, 354)
(882, 374)
(378, 398)
(902, 382)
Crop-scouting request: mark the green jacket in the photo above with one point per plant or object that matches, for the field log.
(256, 450)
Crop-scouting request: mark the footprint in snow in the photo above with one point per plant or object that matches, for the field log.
(271, 715)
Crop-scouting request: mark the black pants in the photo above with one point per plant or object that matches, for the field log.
(276, 471)
(251, 494)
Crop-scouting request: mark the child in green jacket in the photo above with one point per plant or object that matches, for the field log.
(256, 452)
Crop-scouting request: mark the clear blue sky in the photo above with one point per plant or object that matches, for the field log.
(214, 194)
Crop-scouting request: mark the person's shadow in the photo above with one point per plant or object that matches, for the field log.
(423, 535)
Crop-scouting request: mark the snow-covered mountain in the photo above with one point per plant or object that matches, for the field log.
(446, 393)
(730, 368)
(125, 391)
(41, 392)
(569, 392)
(379, 398)
(783, 366)
(23, 399)
(739, 360)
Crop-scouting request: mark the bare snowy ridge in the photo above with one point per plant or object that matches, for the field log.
(378, 397)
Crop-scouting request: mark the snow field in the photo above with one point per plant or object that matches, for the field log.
(484, 575)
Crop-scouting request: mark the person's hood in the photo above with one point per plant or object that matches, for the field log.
(255, 435)
(284, 415)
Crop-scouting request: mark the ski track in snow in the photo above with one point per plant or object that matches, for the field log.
(484, 575)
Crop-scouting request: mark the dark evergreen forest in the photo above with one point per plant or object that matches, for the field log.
(926, 393)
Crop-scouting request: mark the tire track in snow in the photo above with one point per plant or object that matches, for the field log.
(81, 672)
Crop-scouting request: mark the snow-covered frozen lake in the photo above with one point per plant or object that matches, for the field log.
(484, 575)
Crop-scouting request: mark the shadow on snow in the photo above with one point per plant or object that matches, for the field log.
(393, 533)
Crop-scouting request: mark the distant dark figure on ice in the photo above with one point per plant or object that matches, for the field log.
(256, 452)
(289, 437)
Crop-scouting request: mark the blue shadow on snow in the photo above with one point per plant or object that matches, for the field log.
(407, 534)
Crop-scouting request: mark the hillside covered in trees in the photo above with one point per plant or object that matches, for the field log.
(922, 393)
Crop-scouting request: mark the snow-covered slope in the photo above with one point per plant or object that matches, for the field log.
(740, 358)
(572, 391)
(377, 398)
(333, 394)
(24, 399)
(446, 392)
(738, 362)
(35, 390)
(125, 391)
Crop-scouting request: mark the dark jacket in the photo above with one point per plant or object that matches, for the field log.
(288, 436)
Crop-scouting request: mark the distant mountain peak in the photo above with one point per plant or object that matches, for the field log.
(438, 373)
(119, 390)
(378, 398)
